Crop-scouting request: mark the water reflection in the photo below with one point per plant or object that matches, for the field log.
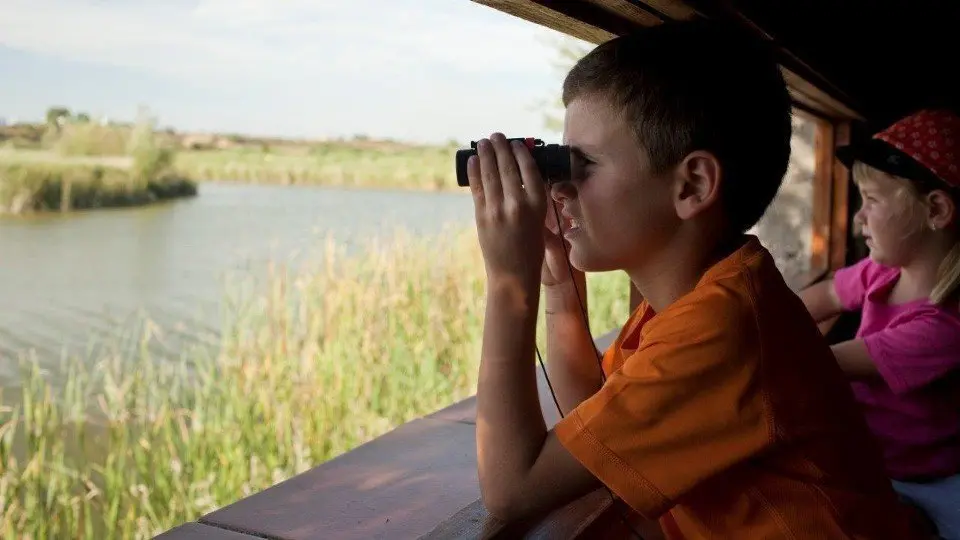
(68, 281)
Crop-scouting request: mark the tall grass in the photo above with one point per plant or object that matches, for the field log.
(311, 363)
(329, 164)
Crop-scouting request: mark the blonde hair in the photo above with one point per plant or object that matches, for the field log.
(948, 274)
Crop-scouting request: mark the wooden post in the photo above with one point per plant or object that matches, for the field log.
(841, 202)
(823, 178)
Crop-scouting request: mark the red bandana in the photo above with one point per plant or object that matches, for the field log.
(932, 137)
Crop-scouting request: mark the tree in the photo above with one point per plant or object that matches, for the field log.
(569, 51)
(55, 115)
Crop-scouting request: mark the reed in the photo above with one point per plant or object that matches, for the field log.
(92, 166)
(340, 164)
(311, 362)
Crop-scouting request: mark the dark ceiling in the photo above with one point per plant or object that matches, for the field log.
(889, 56)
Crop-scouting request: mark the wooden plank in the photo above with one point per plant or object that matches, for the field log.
(567, 522)
(822, 218)
(464, 411)
(399, 485)
(672, 9)
(538, 14)
(628, 10)
(595, 515)
(815, 99)
(199, 531)
(598, 21)
(839, 228)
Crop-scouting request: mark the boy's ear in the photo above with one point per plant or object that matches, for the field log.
(699, 176)
(942, 210)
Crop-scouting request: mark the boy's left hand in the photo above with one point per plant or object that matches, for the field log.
(510, 202)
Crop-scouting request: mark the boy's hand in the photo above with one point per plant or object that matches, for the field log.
(510, 200)
(556, 265)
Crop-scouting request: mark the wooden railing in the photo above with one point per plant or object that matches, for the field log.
(417, 481)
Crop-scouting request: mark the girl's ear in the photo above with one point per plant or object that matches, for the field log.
(942, 209)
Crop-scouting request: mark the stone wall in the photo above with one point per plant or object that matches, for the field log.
(786, 228)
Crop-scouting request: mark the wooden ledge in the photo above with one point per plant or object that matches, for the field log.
(417, 481)
(199, 531)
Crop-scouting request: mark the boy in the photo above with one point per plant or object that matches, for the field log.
(720, 409)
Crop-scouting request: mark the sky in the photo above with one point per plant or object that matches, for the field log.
(416, 70)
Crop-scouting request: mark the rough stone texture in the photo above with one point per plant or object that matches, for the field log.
(786, 228)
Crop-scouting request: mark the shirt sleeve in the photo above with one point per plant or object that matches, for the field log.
(683, 407)
(852, 283)
(916, 349)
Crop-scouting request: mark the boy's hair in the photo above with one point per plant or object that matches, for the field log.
(693, 85)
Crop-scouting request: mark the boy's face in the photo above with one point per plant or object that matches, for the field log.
(619, 215)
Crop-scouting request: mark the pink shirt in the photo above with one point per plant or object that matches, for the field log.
(914, 410)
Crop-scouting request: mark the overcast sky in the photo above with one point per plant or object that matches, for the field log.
(422, 70)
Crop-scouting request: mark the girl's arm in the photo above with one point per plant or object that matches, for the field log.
(821, 300)
(855, 360)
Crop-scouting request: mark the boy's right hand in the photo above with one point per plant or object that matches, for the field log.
(556, 270)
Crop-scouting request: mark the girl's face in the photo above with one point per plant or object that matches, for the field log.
(892, 217)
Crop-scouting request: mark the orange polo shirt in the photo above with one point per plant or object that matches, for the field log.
(726, 416)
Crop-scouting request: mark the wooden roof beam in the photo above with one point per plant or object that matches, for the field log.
(597, 21)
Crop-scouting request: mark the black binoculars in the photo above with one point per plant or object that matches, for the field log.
(553, 160)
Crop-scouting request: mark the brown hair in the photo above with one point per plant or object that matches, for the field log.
(693, 85)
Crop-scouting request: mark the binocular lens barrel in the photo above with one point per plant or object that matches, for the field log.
(553, 160)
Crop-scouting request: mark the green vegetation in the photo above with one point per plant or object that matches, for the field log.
(75, 164)
(309, 366)
(354, 163)
(92, 149)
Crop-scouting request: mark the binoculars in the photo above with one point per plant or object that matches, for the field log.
(553, 160)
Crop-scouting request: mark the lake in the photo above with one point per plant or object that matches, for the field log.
(69, 280)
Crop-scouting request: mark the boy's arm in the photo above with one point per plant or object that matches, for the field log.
(522, 467)
(684, 407)
(572, 363)
(821, 300)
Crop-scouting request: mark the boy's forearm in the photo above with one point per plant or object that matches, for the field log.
(510, 425)
(571, 353)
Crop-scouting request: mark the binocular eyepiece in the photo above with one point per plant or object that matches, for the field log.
(553, 160)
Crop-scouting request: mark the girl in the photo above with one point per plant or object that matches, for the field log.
(905, 360)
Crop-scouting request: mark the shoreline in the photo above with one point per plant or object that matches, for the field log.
(43, 188)
(33, 181)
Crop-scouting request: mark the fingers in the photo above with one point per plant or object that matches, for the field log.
(476, 184)
(533, 184)
(552, 221)
(489, 173)
(504, 175)
(510, 177)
